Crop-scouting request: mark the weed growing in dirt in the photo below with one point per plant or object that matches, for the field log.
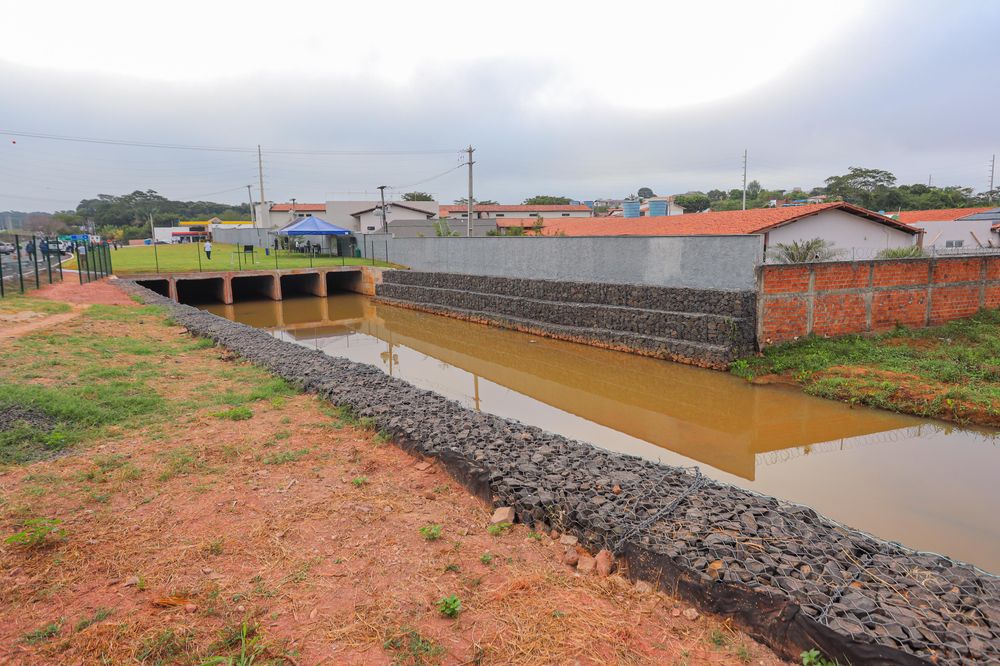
(359, 481)
(449, 606)
(37, 532)
(235, 414)
(486, 558)
(717, 638)
(815, 658)
(180, 461)
(499, 529)
(244, 640)
(43, 633)
(164, 647)
(412, 648)
(99, 615)
(214, 547)
(431, 532)
(743, 653)
(283, 457)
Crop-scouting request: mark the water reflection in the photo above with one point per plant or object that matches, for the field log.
(857, 465)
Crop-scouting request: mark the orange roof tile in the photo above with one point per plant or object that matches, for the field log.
(304, 207)
(526, 222)
(515, 208)
(937, 215)
(720, 223)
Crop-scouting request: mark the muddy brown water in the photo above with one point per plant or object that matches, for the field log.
(927, 484)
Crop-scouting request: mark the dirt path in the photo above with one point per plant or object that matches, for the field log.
(37, 323)
(239, 505)
(103, 292)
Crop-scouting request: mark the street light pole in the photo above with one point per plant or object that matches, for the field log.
(381, 191)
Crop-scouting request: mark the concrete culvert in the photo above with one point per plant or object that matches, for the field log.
(203, 290)
(310, 284)
(253, 287)
(161, 287)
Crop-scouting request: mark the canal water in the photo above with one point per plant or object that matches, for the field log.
(928, 484)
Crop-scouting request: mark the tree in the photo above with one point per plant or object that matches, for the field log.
(417, 196)
(546, 200)
(754, 189)
(716, 195)
(693, 202)
(478, 202)
(645, 193)
(860, 186)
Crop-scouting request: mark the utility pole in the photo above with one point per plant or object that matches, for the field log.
(993, 171)
(381, 191)
(253, 218)
(468, 222)
(260, 175)
(744, 179)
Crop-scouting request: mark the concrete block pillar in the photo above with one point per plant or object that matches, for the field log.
(172, 290)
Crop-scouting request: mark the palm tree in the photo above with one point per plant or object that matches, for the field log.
(800, 252)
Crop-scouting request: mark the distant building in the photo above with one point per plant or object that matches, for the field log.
(846, 226)
(358, 216)
(956, 228)
(497, 211)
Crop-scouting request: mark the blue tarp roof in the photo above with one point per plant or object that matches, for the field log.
(313, 226)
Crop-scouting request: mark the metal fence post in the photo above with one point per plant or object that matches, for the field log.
(60, 262)
(79, 261)
(34, 259)
(386, 250)
(48, 257)
(20, 270)
(107, 249)
(1, 278)
(91, 263)
(197, 251)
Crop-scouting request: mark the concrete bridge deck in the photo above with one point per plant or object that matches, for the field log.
(230, 286)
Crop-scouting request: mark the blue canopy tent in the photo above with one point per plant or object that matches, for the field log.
(313, 226)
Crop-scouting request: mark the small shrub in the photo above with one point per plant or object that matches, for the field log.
(815, 658)
(359, 481)
(431, 532)
(236, 414)
(283, 457)
(43, 633)
(486, 558)
(99, 616)
(498, 529)
(908, 252)
(449, 606)
(37, 532)
(415, 648)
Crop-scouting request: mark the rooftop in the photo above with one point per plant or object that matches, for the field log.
(936, 214)
(721, 223)
(516, 208)
(303, 207)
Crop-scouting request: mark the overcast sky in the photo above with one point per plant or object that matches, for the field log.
(580, 99)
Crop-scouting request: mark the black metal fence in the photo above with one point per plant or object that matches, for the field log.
(30, 262)
(93, 260)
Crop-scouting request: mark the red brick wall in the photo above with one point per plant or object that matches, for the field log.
(837, 298)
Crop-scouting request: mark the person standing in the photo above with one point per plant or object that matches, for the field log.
(208, 250)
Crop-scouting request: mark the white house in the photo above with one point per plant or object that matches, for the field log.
(497, 211)
(854, 231)
(955, 229)
(357, 216)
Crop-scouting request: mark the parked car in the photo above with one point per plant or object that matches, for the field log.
(6, 248)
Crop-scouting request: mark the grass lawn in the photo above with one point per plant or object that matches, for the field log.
(140, 259)
(950, 372)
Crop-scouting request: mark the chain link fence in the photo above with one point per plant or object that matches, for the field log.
(29, 262)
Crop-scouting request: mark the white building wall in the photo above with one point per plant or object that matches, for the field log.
(939, 234)
(460, 215)
(845, 230)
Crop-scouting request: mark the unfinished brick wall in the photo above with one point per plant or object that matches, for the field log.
(837, 298)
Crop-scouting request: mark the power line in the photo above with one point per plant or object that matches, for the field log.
(221, 149)
(425, 180)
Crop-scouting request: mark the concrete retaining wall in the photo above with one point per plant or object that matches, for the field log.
(793, 578)
(698, 326)
(699, 262)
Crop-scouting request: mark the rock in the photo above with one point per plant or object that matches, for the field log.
(570, 556)
(131, 581)
(430, 495)
(690, 614)
(643, 587)
(586, 564)
(423, 466)
(554, 535)
(190, 608)
(604, 563)
(568, 540)
(617, 490)
(675, 612)
(503, 514)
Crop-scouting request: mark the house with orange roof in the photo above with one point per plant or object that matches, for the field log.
(851, 229)
(956, 229)
(363, 217)
(500, 211)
